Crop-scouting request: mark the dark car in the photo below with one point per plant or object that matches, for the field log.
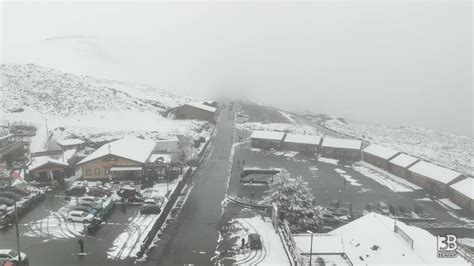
(254, 241)
(99, 192)
(10, 195)
(130, 195)
(6, 201)
(75, 191)
(150, 209)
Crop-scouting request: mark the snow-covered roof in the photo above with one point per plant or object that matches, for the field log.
(353, 144)
(203, 107)
(303, 139)
(270, 135)
(404, 160)
(371, 240)
(322, 244)
(380, 151)
(70, 142)
(40, 161)
(131, 148)
(465, 187)
(435, 172)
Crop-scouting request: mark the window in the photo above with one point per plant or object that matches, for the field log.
(88, 172)
(97, 171)
(107, 171)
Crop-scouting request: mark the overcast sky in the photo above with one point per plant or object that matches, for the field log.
(392, 62)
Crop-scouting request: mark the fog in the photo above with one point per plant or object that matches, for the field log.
(394, 63)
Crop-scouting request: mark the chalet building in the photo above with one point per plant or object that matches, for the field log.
(342, 149)
(47, 169)
(372, 239)
(463, 194)
(197, 111)
(302, 143)
(399, 164)
(267, 139)
(433, 178)
(210, 103)
(120, 159)
(378, 155)
(67, 144)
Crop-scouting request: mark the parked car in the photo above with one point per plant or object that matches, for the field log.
(13, 256)
(94, 202)
(254, 241)
(154, 201)
(6, 201)
(79, 216)
(150, 209)
(85, 209)
(99, 192)
(10, 195)
(75, 191)
(382, 207)
(21, 191)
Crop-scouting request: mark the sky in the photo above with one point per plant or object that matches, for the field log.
(397, 63)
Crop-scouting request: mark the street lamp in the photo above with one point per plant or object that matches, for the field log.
(17, 234)
(311, 247)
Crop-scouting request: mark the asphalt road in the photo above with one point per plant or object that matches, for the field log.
(193, 237)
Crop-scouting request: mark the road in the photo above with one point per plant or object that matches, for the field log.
(193, 239)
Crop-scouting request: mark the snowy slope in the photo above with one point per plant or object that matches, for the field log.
(88, 108)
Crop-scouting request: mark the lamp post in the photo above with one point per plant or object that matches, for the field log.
(311, 247)
(17, 235)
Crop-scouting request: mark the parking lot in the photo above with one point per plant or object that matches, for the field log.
(355, 183)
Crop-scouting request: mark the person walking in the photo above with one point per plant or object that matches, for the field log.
(81, 245)
(243, 243)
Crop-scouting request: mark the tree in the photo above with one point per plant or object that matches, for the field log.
(295, 199)
(184, 151)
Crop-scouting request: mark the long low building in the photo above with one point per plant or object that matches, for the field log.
(302, 143)
(197, 111)
(343, 149)
(433, 178)
(399, 164)
(267, 139)
(463, 194)
(378, 155)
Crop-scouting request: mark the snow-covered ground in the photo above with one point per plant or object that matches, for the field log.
(456, 152)
(290, 128)
(272, 252)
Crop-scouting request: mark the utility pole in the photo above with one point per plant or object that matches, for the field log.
(17, 234)
(311, 248)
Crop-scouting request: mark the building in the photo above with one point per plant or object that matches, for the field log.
(9, 147)
(433, 178)
(378, 155)
(302, 143)
(120, 159)
(343, 149)
(399, 164)
(463, 194)
(72, 144)
(373, 239)
(267, 139)
(210, 103)
(48, 169)
(197, 111)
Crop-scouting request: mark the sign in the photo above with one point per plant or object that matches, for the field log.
(447, 246)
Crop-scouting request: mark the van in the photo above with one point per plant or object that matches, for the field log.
(254, 241)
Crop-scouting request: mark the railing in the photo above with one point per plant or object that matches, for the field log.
(466, 253)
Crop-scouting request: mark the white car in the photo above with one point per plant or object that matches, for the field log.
(12, 255)
(80, 216)
(93, 202)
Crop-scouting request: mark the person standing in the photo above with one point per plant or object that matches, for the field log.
(81, 245)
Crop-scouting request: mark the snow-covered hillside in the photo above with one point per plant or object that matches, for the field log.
(89, 108)
(442, 148)
(52, 92)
